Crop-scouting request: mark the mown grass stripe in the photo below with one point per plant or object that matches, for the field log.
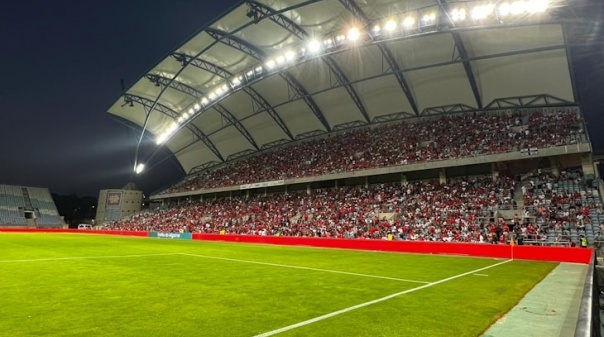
(358, 306)
(305, 268)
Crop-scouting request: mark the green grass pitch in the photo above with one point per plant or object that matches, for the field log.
(85, 285)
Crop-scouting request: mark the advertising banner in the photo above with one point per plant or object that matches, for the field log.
(160, 235)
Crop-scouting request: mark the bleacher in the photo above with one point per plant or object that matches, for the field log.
(569, 207)
(46, 211)
(12, 205)
(16, 202)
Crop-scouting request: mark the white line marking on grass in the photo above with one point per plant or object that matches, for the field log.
(304, 268)
(358, 306)
(481, 275)
(86, 257)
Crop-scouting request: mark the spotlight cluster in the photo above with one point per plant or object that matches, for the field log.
(423, 20)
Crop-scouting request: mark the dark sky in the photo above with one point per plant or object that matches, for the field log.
(61, 62)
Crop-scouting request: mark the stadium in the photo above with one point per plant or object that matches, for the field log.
(351, 168)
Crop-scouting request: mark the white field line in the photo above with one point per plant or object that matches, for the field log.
(304, 268)
(86, 257)
(358, 306)
(485, 275)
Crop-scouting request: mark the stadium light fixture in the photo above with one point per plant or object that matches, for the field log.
(408, 22)
(376, 29)
(537, 6)
(290, 55)
(314, 46)
(196, 107)
(139, 168)
(518, 7)
(504, 9)
(353, 34)
(270, 64)
(280, 59)
(390, 26)
(482, 12)
(429, 18)
(458, 14)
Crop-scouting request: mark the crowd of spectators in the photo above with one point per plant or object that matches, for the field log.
(431, 139)
(560, 205)
(460, 210)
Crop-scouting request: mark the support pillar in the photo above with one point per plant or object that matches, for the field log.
(442, 176)
(554, 166)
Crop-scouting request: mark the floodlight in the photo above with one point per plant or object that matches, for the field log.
(537, 6)
(409, 22)
(280, 59)
(204, 101)
(377, 29)
(390, 26)
(258, 69)
(314, 46)
(212, 96)
(162, 138)
(353, 34)
(235, 82)
(196, 107)
(458, 14)
(518, 7)
(340, 38)
(504, 9)
(225, 88)
(481, 12)
(290, 55)
(139, 168)
(219, 91)
(270, 64)
(250, 73)
(429, 18)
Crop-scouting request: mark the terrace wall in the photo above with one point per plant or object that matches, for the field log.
(539, 253)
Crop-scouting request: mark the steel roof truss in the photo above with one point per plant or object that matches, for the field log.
(174, 115)
(356, 11)
(253, 51)
(224, 112)
(339, 76)
(260, 102)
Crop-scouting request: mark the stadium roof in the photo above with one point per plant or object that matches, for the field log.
(269, 72)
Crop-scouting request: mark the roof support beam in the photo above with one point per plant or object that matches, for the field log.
(226, 114)
(258, 54)
(149, 104)
(467, 67)
(356, 11)
(224, 74)
(289, 25)
(461, 49)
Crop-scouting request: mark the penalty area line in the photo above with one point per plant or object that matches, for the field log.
(358, 306)
(304, 268)
(86, 257)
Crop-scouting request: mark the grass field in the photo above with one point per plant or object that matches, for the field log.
(81, 285)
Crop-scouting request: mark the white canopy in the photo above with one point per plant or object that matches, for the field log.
(375, 64)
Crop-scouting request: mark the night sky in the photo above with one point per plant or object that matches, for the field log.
(61, 63)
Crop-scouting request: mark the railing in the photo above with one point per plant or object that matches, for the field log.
(588, 323)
